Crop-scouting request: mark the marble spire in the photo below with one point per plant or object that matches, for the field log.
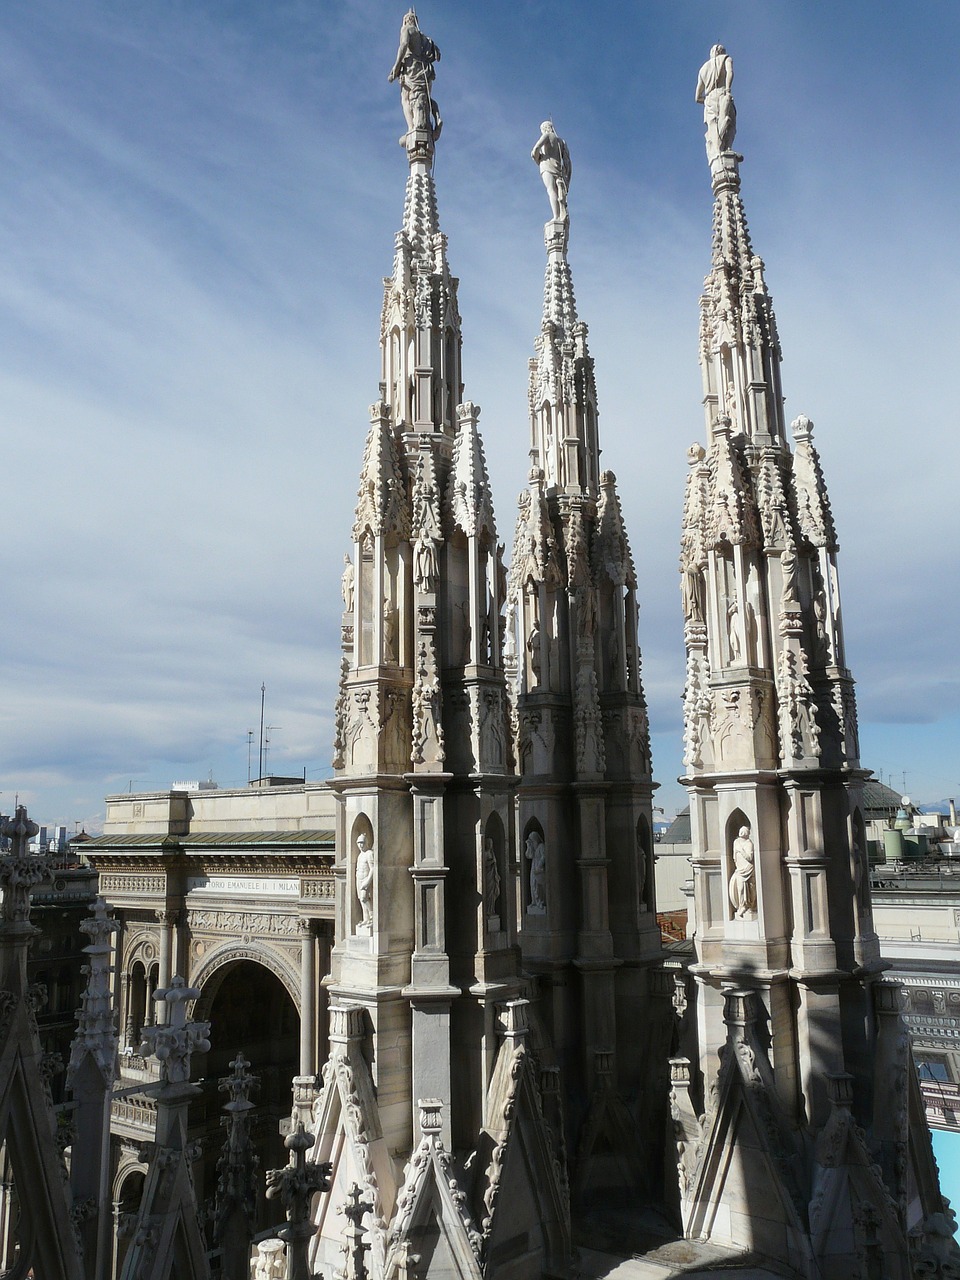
(791, 1007)
(582, 744)
(424, 973)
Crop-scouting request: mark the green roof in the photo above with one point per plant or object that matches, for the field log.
(206, 839)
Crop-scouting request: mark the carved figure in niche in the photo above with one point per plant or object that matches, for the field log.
(484, 654)
(641, 870)
(692, 594)
(363, 878)
(789, 568)
(535, 853)
(426, 568)
(613, 654)
(551, 154)
(509, 642)
(533, 650)
(719, 112)
(491, 879)
(733, 630)
(751, 621)
(414, 69)
(860, 877)
(464, 610)
(743, 882)
(346, 585)
(820, 626)
(389, 632)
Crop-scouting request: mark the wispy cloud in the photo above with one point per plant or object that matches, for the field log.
(198, 205)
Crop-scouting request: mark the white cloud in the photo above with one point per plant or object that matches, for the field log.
(197, 210)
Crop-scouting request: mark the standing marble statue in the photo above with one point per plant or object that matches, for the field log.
(346, 584)
(414, 69)
(552, 155)
(491, 879)
(363, 877)
(536, 854)
(743, 881)
(719, 112)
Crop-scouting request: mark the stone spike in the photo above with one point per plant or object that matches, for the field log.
(612, 555)
(468, 500)
(381, 498)
(562, 388)
(739, 345)
(96, 1023)
(812, 505)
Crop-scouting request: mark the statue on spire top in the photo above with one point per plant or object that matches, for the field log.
(719, 112)
(552, 155)
(414, 69)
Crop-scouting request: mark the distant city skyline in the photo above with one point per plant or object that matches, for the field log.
(197, 211)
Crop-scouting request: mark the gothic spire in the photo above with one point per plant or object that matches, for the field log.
(562, 391)
(420, 323)
(739, 344)
(781, 871)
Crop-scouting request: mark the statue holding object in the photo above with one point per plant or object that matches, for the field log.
(553, 156)
(719, 111)
(414, 69)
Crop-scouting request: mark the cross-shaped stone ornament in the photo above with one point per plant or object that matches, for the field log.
(174, 1041)
(355, 1210)
(20, 871)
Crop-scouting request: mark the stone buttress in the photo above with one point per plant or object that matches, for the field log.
(811, 1084)
(587, 909)
(427, 1029)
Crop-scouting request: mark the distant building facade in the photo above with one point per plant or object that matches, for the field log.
(233, 891)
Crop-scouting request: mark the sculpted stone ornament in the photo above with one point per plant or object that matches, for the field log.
(789, 569)
(693, 594)
(719, 112)
(96, 1032)
(364, 883)
(550, 152)
(175, 1041)
(294, 1186)
(743, 881)
(535, 853)
(346, 584)
(414, 69)
(491, 879)
(20, 871)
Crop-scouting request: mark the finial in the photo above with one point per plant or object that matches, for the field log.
(20, 870)
(551, 153)
(719, 111)
(173, 1042)
(414, 69)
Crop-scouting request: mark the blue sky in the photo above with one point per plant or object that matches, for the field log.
(197, 206)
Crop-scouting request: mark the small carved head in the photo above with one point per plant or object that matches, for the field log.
(547, 127)
(744, 833)
(696, 453)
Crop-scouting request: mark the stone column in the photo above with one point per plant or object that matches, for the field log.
(308, 998)
(6, 1226)
(166, 919)
(117, 1212)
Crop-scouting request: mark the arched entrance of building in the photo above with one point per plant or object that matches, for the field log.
(128, 1192)
(249, 1009)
